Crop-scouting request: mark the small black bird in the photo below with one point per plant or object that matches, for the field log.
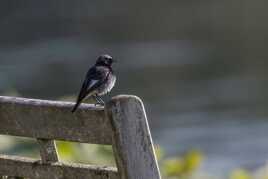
(100, 79)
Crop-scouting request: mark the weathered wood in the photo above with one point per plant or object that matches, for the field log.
(18, 166)
(123, 124)
(132, 142)
(48, 150)
(53, 120)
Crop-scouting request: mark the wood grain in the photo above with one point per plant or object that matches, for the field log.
(132, 142)
(18, 166)
(53, 120)
(48, 150)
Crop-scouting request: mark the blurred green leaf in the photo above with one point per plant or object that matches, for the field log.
(173, 167)
(159, 152)
(192, 160)
(240, 174)
(182, 166)
(66, 150)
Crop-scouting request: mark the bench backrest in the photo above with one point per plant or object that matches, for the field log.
(122, 123)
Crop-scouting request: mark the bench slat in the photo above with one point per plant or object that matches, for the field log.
(53, 120)
(25, 167)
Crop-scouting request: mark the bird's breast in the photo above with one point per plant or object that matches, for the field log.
(108, 85)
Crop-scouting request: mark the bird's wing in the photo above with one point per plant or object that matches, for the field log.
(94, 78)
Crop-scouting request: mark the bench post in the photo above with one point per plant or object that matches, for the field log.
(48, 151)
(132, 142)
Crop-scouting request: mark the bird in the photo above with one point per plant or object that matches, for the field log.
(99, 80)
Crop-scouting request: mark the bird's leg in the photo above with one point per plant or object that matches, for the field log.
(100, 100)
(109, 95)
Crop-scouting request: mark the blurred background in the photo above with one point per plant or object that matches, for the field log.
(199, 66)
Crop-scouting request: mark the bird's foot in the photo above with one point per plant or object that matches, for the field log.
(99, 101)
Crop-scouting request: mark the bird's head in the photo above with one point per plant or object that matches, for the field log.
(105, 60)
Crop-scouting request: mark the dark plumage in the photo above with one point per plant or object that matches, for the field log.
(99, 80)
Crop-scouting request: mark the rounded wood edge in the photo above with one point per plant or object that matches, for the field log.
(123, 99)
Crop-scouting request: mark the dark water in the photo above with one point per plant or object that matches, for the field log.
(194, 96)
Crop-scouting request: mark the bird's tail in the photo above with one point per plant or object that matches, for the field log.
(80, 99)
(76, 106)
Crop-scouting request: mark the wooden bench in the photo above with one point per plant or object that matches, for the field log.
(122, 124)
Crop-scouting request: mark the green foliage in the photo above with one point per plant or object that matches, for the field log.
(159, 152)
(181, 166)
(240, 174)
(66, 150)
(85, 153)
